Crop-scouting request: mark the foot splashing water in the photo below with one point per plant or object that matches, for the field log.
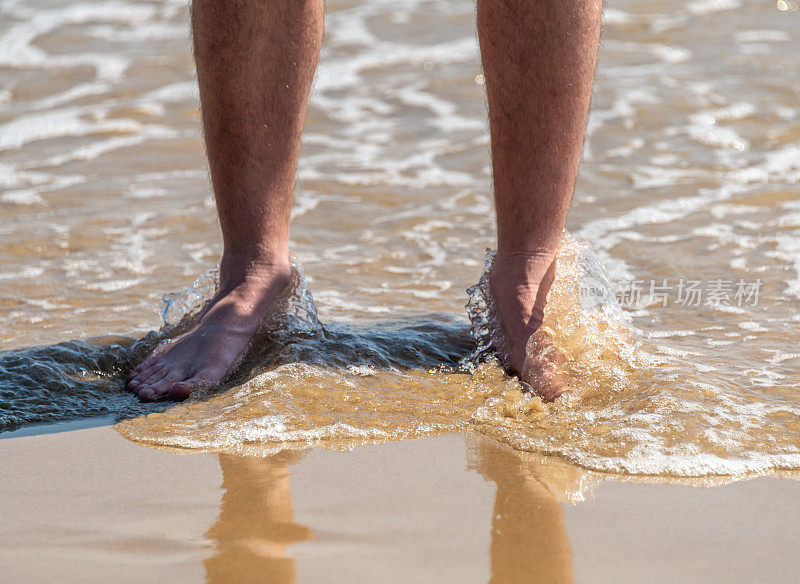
(637, 404)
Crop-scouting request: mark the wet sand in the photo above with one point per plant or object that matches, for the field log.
(690, 174)
(689, 177)
(89, 506)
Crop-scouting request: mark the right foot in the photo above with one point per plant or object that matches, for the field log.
(209, 351)
(519, 284)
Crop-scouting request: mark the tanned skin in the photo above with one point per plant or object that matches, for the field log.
(255, 64)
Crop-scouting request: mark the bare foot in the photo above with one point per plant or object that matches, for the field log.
(206, 353)
(519, 284)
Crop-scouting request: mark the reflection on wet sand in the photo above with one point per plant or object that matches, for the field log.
(529, 542)
(256, 521)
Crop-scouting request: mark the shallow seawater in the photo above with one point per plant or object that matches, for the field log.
(689, 182)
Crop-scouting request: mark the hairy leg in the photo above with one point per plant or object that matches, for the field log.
(255, 64)
(538, 59)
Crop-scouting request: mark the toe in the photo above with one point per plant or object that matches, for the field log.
(135, 382)
(156, 375)
(181, 390)
(146, 394)
(146, 364)
(153, 389)
(137, 378)
(162, 388)
(207, 378)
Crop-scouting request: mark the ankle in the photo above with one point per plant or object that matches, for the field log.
(253, 272)
(523, 268)
(534, 255)
(519, 283)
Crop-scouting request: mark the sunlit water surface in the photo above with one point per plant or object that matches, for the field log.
(690, 174)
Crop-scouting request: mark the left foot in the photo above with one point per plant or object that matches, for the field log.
(519, 283)
(204, 355)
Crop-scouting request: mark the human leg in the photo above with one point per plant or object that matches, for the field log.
(539, 59)
(255, 64)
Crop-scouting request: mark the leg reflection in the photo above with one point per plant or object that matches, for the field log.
(529, 542)
(256, 522)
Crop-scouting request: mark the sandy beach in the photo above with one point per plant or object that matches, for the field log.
(89, 506)
(689, 178)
